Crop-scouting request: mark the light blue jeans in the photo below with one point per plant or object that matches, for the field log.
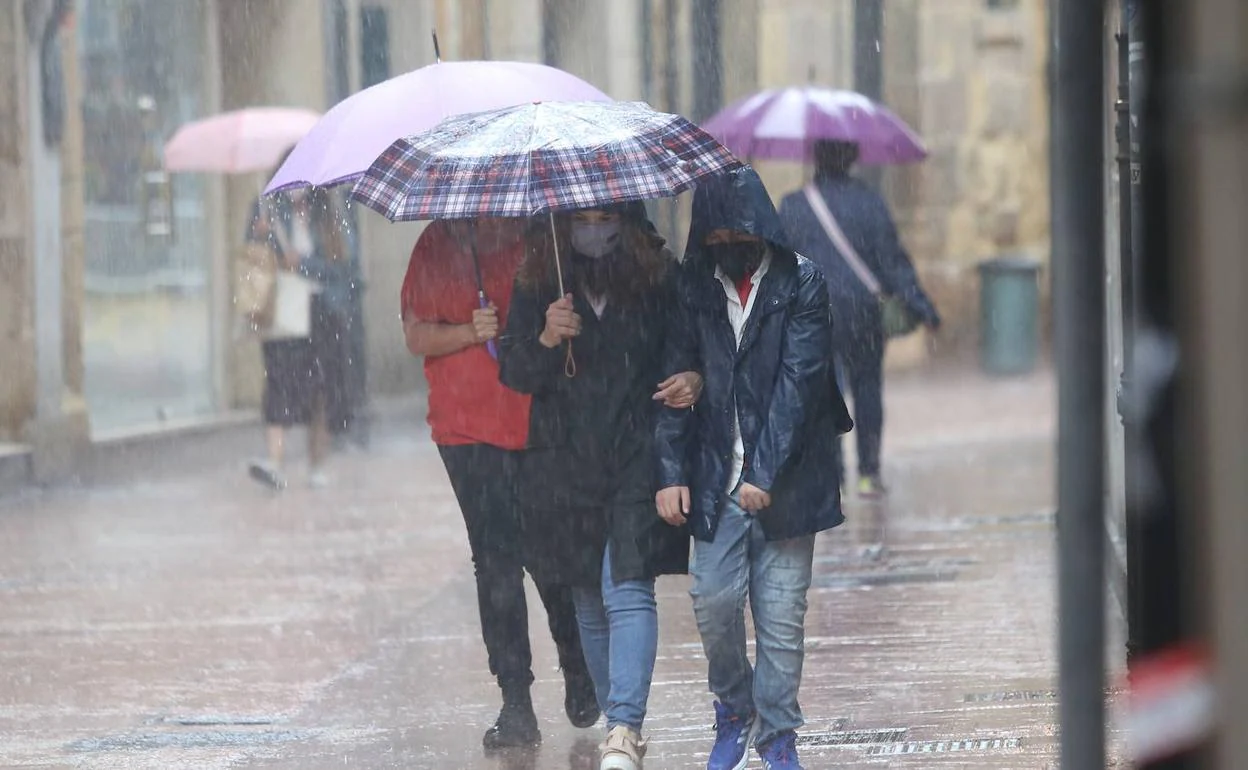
(620, 638)
(741, 564)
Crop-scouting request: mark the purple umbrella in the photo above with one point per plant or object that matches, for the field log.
(344, 143)
(784, 124)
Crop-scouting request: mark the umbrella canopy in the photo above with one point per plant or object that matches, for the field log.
(342, 146)
(784, 124)
(238, 142)
(540, 158)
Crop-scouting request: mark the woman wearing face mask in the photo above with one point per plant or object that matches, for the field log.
(586, 482)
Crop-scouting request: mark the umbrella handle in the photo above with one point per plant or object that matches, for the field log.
(483, 302)
(569, 362)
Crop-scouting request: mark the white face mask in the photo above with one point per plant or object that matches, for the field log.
(595, 239)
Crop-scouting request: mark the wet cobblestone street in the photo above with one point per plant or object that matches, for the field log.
(194, 621)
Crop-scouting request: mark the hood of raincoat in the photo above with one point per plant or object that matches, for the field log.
(735, 201)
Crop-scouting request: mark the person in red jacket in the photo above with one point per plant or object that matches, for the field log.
(479, 427)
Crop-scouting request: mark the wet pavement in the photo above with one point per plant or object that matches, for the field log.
(192, 620)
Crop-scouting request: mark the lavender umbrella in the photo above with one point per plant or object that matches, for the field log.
(344, 143)
(784, 124)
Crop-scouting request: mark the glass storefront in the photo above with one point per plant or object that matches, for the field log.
(147, 313)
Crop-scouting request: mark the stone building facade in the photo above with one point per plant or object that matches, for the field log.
(17, 387)
(974, 85)
(41, 396)
(969, 75)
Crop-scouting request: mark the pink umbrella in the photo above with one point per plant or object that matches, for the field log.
(344, 144)
(784, 124)
(238, 142)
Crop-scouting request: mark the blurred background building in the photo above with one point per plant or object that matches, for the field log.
(147, 331)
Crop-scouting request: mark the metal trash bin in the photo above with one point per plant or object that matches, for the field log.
(1009, 315)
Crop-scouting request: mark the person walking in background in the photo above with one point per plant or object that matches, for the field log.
(303, 348)
(479, 427)
(592, 360)
(747, 469)
(858, 321)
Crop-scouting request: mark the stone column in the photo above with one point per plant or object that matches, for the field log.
(740, 48)
(57, 435)
(515, 29)
(221, 319)
(623, 49)
(73, 218)
(473, 36)
(17, 387)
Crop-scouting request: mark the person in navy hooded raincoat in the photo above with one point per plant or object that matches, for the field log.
(751, 467)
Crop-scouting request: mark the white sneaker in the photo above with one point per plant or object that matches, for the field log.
(623, 750)
(318, 480)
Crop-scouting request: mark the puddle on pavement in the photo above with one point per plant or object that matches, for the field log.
(842, 580)
(1010, 696)
(215, 720)
(853, 738)
(192, 739)
(946, 746)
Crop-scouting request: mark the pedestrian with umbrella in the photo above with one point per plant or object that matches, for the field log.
(300, 235)
(294, 280)
(455, 294)
(479, 426)
(588, 337)
(844, 226)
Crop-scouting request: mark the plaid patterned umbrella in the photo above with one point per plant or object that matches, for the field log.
(540, 158)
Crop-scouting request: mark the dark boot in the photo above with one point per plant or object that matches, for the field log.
(516, 726)
(579, 699)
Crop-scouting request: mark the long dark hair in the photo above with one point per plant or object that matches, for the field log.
(640, 264)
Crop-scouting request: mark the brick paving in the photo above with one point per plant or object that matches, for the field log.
(190, 620)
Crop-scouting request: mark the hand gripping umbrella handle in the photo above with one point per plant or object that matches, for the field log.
(483, 302)
(569, 362)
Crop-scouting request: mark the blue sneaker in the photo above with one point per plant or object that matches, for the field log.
(733, 736)
(780, 753)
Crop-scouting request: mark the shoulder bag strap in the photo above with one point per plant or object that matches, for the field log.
(837, 236)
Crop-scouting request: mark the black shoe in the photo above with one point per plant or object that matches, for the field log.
(516, 727)
(579, 699)
(267, 474)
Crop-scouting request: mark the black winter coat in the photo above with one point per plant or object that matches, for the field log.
(780, 380)
(588, 473)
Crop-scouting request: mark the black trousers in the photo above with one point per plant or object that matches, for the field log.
(483, 478)
(860, 373)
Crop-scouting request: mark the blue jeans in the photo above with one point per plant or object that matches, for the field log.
(620, 639)
(741, 564)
